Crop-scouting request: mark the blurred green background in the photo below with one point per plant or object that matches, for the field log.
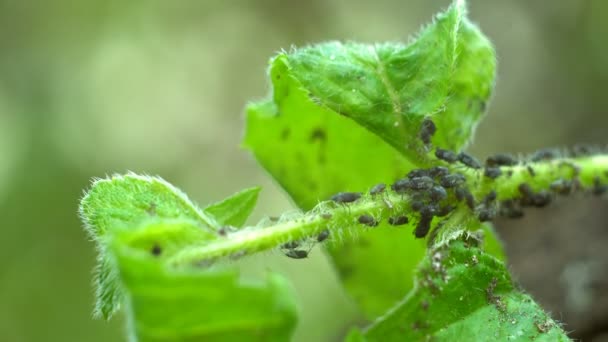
(90, 88)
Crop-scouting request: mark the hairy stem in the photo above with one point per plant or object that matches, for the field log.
(586, 173)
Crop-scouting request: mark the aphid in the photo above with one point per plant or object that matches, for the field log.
(444, 211)
(423, 226)
(541, 199)
(346, 197)
(368, 220)
(377, 189)
(291, 245)
(156, 250)
(417, 205)
(429, 210)
(485, 214)
(446, 155)
(526, 194)
(438, 171)
(296, 254)
(469, 160)
(545, 154)
(531, 171)
(490, 197)
(398, 221)
(427, 130)
(513, 213)
(452, 180)
(525, 190)
(562, 186)
(417, 173)
(598, 187)
(437, 193)
(501, 159)
(492, 172)
(465, 194)
(581, 150)
(401, 185)
(323, 235)
(225, 230)
(421, 183)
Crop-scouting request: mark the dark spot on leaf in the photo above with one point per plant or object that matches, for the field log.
(156, 250)
(285, 133)
(151, 209)
(318, 134)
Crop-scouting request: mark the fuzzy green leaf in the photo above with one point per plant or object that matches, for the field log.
(306, 154)
(234, 210)
(447, 74)
(195, 303)
(465, 294)
(125, 201)
(343, 117)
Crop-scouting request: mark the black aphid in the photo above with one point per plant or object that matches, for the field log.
(401, 186)
(545, 154)
(437, 193)
(416, 205)
(525, 190)
(531, 171)
(421, 183)
(223, 231)
(485, 214)
(368, 220)
(444, 210)
(427, 130)
(541, 199)
(377, 189)
(510, 209)
(490, 198)
(469, 160)
(423, 226)
(438, 171)
(492, 172)
(598, 187)
(465, 194)
(452, 180)
(291, 245)
(417, 173)
(429, 210)
(398, 220)
(323, 235)
(446, 155)
(346, 197)
(562, 187)
(296, 254)
(156, 250)
(501, 159)
(581, 150)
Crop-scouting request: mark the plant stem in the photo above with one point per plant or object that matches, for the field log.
(342, 219)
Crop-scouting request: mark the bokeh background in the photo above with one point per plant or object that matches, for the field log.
(89, 88)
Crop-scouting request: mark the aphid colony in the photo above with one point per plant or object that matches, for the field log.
(435, 192)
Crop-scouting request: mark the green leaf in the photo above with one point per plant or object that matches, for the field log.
(462, 293)
(195, 303)
(343, 117)
(306, 154)
(234, 210)
(125, 201)
(447, 73)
